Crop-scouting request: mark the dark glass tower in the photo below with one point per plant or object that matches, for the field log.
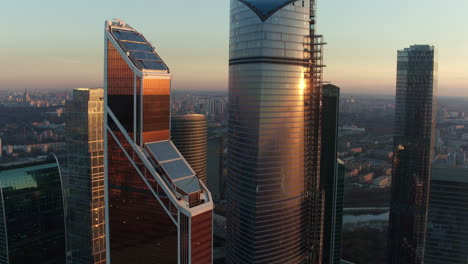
(32, 223)
(190, 135)
(216, 176)
(274, 199)
(157, 211)
(85, 176)
(447, 230)
(332, 183)
(413, 151)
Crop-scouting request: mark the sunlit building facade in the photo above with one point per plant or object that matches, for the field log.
(85, 176)
(157, 209)
(274, 200)
(32, 223)
(190, 135)
(413, 153)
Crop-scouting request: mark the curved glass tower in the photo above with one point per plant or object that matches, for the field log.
(190, 135)
(273, 143)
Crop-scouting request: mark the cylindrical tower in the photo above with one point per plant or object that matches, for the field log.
(189, 134)
(268, 188)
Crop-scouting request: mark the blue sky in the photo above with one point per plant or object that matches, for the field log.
(59, 44)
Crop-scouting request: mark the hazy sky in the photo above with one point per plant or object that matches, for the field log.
(59, 44)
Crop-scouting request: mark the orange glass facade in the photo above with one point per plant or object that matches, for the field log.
(153, 216)
(156, 109)
(84, 172)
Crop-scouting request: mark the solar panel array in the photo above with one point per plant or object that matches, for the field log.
(174, 165)
(139, 50)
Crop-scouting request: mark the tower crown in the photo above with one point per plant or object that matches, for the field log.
(266, 8)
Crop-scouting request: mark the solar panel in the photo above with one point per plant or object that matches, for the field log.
(163, 150)
(154, 65)
(177, 169)
(174, 166)
(144, 56)
(189, 185)
(131, 46)
(140, 52)
(128, 35)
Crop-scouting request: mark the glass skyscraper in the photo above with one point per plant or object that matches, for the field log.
(332, 182)
(157, 210)
(190, 135)
(274, 200)
(32, 223)
(413, 152)
(447, 227)
(216, 176)
(85, 176)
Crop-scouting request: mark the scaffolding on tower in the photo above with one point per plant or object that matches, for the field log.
(315, 198)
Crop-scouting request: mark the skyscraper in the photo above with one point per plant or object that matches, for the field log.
(85, 176)
(190, 134)
(32, 223)
(216, 179)
(447, 232)
(26, 98)
(274, 200)
(331, 184)
(413, 151)
(156, 209)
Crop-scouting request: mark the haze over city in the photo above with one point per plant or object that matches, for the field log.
(234, 132)
(54, 44)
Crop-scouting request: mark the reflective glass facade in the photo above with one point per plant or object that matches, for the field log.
(32, 223)
(413, 142)
(85, 176)
(157, 210)
(190, 134)
(216, 179)
(331, 182)
(447, 227)
(269, 170)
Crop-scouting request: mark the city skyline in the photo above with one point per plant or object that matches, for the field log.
(275, 197)
(359, 54)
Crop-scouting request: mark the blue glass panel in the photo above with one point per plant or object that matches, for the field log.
(177, 169)
(153, 65)
(266, 8)
(136, 46)
(128, 35)
(163, 150)
(189, 185)
(144, 56)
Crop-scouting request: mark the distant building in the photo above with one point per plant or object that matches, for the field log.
(331, 182)
(26, 98)
(381, 182)
(367, 177)
(216, 179)
(413, 147)
(190, 135)
(85, 176)
(447, 233)
(32, 228)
